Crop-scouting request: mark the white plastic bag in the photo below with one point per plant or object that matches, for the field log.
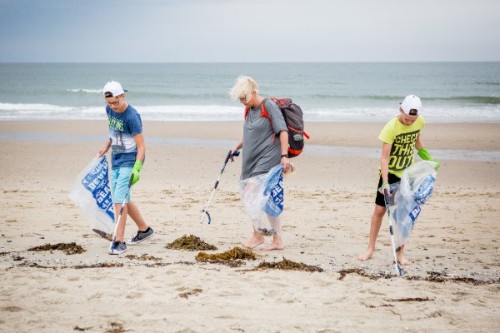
(408, 196)
(263, 195)
(91, 192)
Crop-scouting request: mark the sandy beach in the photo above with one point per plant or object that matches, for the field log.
(452, 285)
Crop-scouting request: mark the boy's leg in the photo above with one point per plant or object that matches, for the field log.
(376, 223)
(401, 257)
(135, 214)
(120, 193)
(120, 231)
(144, 231)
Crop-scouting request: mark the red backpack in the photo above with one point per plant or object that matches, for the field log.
(294, 119)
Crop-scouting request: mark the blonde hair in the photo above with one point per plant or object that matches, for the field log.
(243, 88)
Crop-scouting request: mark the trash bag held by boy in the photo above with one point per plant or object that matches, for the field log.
(91, 192)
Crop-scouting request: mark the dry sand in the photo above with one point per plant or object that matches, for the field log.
(453, 284)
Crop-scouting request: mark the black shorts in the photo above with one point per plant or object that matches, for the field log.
(379, 199)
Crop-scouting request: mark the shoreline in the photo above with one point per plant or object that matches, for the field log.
(472, 136)
(328, 139)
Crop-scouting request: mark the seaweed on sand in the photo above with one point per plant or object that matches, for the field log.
(361, 272)
(115, 328)
(193, 292)
(100, 265)
(143, 257)
(190, 243)
(286, 264)
(233, 258)
(68, 248)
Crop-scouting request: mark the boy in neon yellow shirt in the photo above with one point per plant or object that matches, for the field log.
(400, 137)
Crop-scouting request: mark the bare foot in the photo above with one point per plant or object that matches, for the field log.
(254, 241)
(401, 258)
(367, 255)
(277, 244)
(273, 247)
(403, 261)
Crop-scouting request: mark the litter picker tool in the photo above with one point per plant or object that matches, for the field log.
(398, 269)
(229, 156)
(119, 218)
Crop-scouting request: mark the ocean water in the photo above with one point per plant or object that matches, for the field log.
(368, 92)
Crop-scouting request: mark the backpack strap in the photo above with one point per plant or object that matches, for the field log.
(263, 111)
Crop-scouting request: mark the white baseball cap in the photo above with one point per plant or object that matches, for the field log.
(411, 102)
(114, 88)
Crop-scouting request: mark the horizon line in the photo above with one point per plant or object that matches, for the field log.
(251, 62)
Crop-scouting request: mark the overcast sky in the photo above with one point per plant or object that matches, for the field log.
(249, 31)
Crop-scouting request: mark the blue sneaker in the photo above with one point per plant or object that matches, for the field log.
(141, 235)
(118, 247)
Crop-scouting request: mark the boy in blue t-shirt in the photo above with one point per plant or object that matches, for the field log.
(127, 156)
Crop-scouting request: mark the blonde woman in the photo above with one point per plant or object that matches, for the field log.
(264, 146)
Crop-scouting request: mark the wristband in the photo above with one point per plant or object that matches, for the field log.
(284, 155)
(384, 184)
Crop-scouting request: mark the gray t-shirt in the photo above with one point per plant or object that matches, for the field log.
(261, 143)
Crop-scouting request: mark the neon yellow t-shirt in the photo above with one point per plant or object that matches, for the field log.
(402, 139)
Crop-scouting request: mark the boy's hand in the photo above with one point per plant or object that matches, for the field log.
(385, 188)
(135, 172)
